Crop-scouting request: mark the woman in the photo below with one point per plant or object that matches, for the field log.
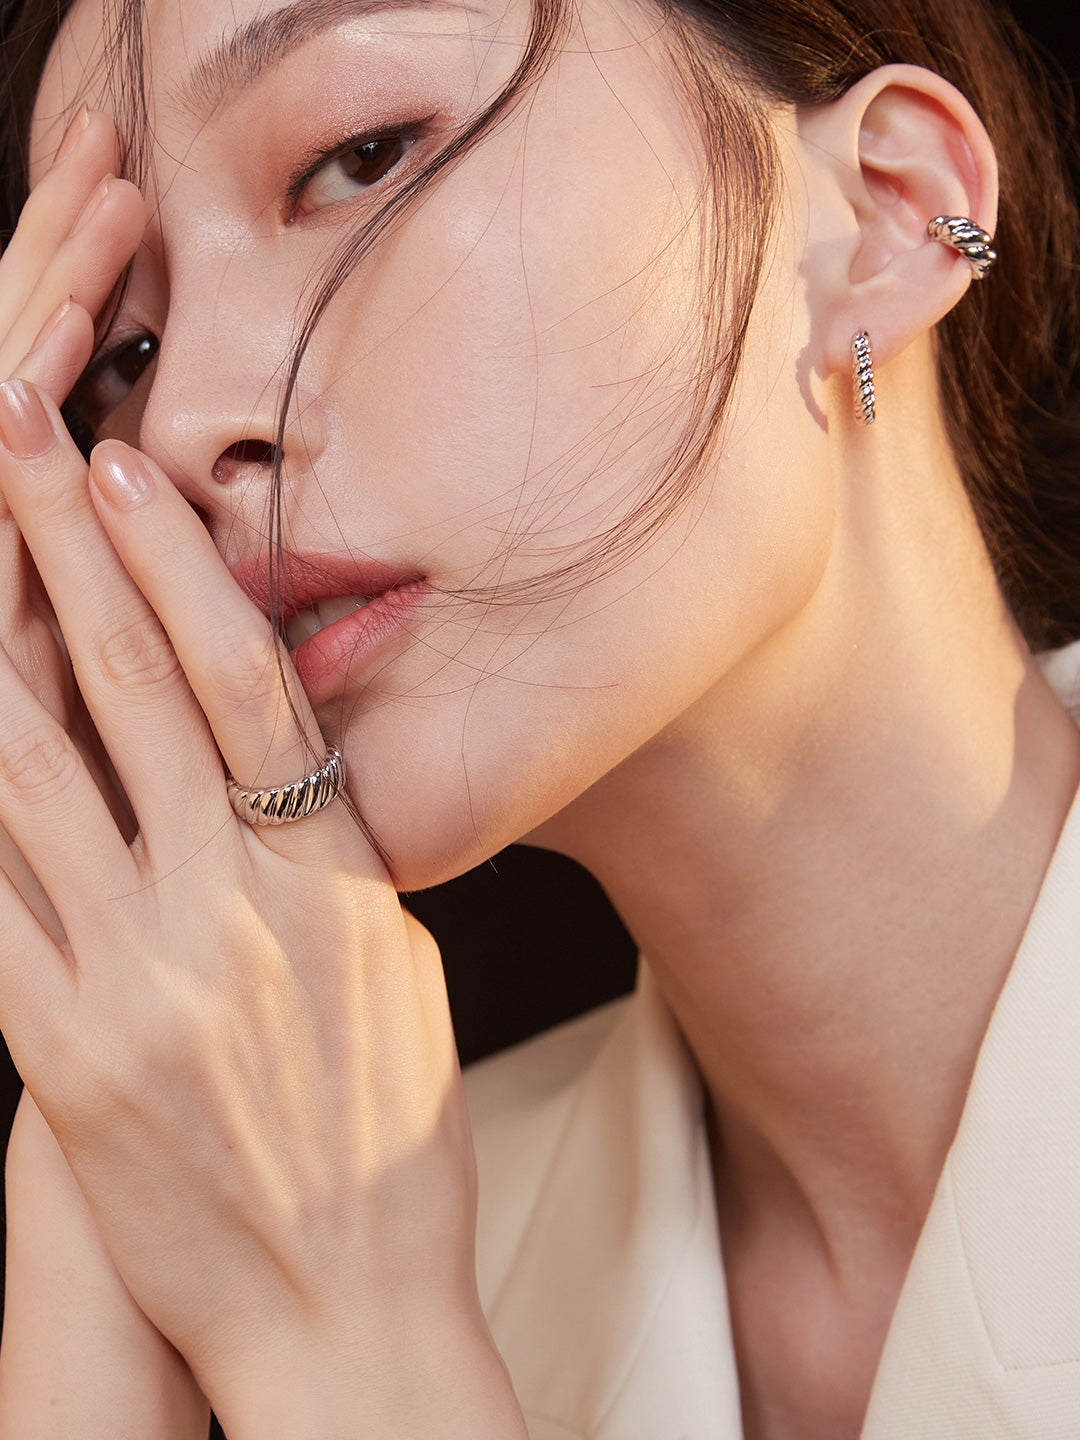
(501, 357)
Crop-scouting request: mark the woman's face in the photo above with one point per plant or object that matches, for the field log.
(495, 386)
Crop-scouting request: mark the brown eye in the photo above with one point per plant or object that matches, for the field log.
(131, 360)
(105, 386)
(351, 173)
(370, 162)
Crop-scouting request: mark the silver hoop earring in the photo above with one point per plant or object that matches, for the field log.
(862, 367)
(967, 238)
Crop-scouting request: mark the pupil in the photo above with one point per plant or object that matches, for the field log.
(132, 360)
(370, 162)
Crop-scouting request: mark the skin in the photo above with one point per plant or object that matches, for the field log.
(803, 706)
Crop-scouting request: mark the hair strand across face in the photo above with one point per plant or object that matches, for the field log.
(1009, 353)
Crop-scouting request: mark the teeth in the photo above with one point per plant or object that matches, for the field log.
(306, 623)
(340, 606)
(301, 627)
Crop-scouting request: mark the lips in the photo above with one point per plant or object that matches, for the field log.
(335, 611)
(309, 621)
(302, 581)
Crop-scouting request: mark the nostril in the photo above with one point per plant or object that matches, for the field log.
(241, 456)
(251, 452)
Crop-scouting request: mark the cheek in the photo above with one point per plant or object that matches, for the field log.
(481, 737)
(515, 376)
(527, 345)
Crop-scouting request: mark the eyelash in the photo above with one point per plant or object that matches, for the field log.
(115, 346)
(312, 164)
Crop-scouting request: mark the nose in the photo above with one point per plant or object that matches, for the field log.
(229, 466)
(211, 421)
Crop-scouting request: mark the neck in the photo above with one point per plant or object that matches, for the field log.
(829, 862)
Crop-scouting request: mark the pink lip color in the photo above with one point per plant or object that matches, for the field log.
(329, 660)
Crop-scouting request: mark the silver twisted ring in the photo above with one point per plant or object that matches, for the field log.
(963, 235)
(283, 803)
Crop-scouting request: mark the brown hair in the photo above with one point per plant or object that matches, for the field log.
(1009, 352)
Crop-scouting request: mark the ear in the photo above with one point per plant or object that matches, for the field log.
(899, 148)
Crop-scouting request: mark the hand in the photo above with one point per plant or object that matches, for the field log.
(77, 232)
(244, 1046)
(78, 1355)
(60, 267)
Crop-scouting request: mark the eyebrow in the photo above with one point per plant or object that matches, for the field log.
(238, 60)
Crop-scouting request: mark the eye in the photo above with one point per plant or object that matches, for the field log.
(107, 383)
(111, 379)
(349, 173)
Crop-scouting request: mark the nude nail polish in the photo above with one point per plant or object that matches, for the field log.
(73, 134)
(93, 205)
(124, 484)
(26, 429)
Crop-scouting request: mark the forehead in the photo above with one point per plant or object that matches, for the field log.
(192, 54)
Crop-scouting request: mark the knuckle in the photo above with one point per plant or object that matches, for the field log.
(57, 501)
(139, 654)
(100, 1089)
(37, 764)
(249, 676)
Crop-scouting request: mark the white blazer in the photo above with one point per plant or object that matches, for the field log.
(598, 1254)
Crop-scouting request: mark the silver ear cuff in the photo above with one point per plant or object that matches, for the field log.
(969, 239)
(862, 368)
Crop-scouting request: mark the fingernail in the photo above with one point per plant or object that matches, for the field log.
(25, 426)
(73, 134)
(93, 205)
(124, 484)
(53, 323)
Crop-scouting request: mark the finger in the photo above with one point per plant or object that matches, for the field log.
(62, 346)
(60, 353)
(127, 670)
(55, 814)
(266, 732)
(36, 988)
(85, 268)
(29, 631)
(52, 208)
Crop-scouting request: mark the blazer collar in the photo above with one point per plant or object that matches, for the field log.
(985, 1339)
(613, 1317)
(612, 1312)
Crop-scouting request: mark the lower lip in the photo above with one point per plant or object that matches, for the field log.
(328, 662)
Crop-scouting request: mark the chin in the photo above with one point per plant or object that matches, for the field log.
(415, 867)
(425, 834)
(427, 844)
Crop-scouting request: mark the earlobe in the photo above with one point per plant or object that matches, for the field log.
(901, 148)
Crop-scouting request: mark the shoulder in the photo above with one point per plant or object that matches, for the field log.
(520, 1102)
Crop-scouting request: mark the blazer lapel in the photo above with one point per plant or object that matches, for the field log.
(612, 1316)
(985, 1341)
(600, 1264)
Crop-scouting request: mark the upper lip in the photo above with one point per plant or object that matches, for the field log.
(302, 580)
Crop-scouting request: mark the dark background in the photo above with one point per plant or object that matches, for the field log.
(528, 939)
